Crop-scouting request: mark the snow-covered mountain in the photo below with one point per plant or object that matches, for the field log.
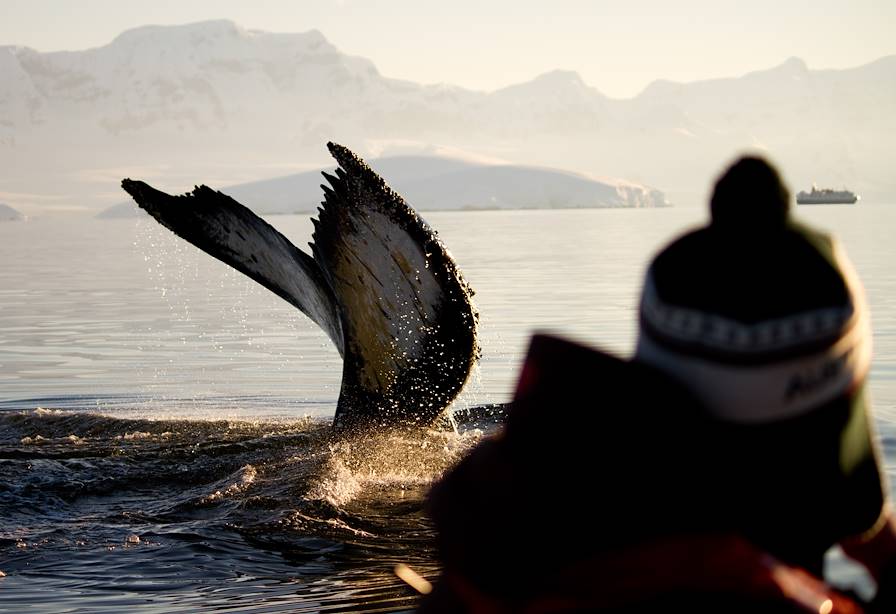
(8, 214)
(214, 103)
(440, 183)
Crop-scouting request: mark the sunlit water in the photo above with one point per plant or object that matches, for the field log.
(163, 421)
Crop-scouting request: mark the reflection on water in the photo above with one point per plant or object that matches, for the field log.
(184, 462)
(107, 512)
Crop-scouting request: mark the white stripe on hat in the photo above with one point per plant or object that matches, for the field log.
(767, 392)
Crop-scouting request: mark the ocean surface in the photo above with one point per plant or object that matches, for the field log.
(164, 440)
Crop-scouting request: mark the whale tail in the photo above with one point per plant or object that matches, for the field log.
(378, 281)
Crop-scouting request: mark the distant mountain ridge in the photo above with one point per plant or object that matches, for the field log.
(440, 183)
(8, 214)
(212, 102)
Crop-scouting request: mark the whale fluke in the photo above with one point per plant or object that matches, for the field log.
(380, 283)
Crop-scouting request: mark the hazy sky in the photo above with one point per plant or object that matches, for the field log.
(617, 46)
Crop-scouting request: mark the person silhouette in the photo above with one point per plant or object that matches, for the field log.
(764, 320)
(720, 463)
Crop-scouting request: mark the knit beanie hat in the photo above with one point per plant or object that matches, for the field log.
(762, 318)
(750, 195)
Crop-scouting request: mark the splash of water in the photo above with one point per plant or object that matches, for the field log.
(392, 462)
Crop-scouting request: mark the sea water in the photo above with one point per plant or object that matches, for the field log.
(163, 420)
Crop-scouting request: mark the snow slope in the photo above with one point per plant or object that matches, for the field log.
(211, 102)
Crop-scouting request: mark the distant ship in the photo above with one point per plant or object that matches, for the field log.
(826, 196)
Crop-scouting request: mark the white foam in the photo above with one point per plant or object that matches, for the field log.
(398, 461)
